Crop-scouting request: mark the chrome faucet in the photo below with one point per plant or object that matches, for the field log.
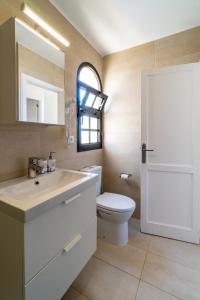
(33, 167)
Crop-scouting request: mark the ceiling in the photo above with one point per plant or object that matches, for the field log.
(115, 25)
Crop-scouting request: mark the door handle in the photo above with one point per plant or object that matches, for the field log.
(144, 150)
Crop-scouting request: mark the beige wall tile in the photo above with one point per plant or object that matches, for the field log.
(174, 278)
(100, 281)
(122, 122)
(169, 48)
(17, 143)
(192, 40)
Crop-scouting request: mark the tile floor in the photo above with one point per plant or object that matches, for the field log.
(148, 268)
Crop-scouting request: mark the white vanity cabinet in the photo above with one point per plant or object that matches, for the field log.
(41, 258)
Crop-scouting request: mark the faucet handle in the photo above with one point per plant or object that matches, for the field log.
(50, 155)
(33, 160)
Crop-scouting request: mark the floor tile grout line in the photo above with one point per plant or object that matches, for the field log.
(135, 247)
(174, 261)
(131, 246)
(137, 290)
(80, 293)
(164, 291)
(123, 272)
(146, 253)
(139, 281)
(149, 251)
(166, 257)
(109, 264)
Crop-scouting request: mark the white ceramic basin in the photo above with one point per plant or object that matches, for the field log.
(27, 197)
(42, 186)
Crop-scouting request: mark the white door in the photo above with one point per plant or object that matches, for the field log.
(170, 177)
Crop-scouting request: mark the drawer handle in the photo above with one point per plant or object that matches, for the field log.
(72, 199)
(72, 243)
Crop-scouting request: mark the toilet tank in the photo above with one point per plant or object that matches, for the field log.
(96, 170)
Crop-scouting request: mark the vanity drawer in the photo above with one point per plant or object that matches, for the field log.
(46, 234)
(53, 281)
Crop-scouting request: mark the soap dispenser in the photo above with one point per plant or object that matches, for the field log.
(51, 163)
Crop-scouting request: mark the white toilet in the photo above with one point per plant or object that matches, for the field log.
(113, 211)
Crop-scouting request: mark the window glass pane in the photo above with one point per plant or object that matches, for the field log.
(85, 122)
(90, 100)
(93, 123)
(98, 103)
(84, 137)
(99, 136)
(88, 76)
(82, 93)
(93, 137)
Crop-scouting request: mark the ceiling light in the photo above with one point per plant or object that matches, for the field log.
(37, 33)
(44, 25)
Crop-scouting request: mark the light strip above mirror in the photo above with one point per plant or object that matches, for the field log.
(44, 25)
(37, 33)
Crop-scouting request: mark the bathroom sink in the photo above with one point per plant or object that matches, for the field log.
(23, 196)
(42, 185)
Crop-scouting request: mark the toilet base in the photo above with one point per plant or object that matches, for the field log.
(115, 233)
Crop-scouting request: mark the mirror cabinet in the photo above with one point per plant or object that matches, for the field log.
(31, 76)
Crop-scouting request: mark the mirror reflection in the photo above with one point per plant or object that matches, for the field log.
(40, 78)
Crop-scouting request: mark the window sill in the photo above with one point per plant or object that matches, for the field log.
(88, 147)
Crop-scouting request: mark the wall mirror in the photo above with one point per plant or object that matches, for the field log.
(40, 78)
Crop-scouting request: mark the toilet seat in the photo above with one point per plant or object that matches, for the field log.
(115, 202)
(113, 212)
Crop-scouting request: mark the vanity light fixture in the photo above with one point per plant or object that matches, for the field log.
(44, 25)
(37, 33)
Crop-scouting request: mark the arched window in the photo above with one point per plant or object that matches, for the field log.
(90, 104)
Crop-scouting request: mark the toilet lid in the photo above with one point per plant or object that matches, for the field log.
(115, 202)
